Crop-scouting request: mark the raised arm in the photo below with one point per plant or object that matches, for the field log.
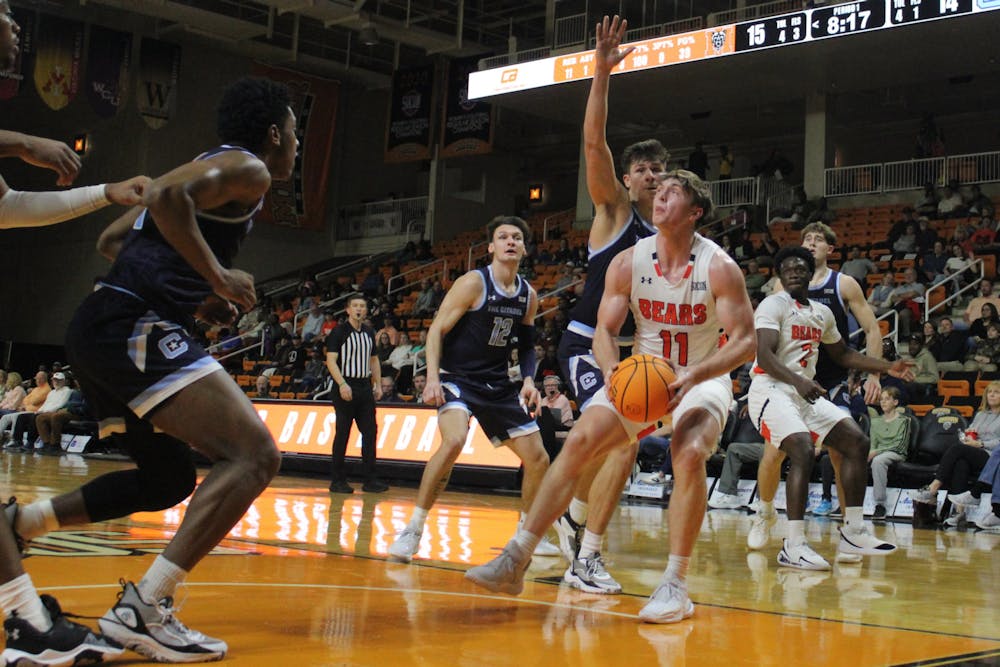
(462, 296)
(606, 191)
(173, 199)
(854, 298)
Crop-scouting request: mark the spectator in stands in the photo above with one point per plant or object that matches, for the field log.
(401, 355)
(858, 266)
(383, 347)
(726, 161)
(986, 355)
(951, 347)
(36, 397)
(566, 276)
(987, 316)
(698, 160)
(548, 364)
(424, 253)
(408, 253)
(754, 278)
(23, 423)
(419, 382)
(906, 299)
(389, 394)
(925, 371)
(286, 313)
(889, 434)
(977, 203)
(50, 425)
(313, 325)
(439, 292)
(580, 257)
(560, 415)
(898, 228)
(14, 393)
(329, 323)
(263, 384)
(933, 263)
(928, 201)
(983, 296)
(907, 241)
(989, 480)
(391, 327)
(880, 297)
(373, 283)
(962, 463)
(314, 373)
(745, 446)
(926, 235)
(950, 205)
(424, 305)
(272, 334)
(564, 253)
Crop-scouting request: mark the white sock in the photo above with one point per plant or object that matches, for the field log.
(677, 568)
(527, 541)
(36, 519)
(765, 507)
(417, 519)
(18, 596)
(796, 532)
(161, 580)
(854, 518)
(578, 511)
(590, 544)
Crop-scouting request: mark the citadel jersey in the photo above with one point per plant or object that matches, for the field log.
(801, 328)
(150, 268)
(479, 346)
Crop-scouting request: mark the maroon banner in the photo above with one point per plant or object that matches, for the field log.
(57, 60)
(467, 125)
(301, 201)
(159, 71)
(108, 60)
(408, 135)
(10, 81)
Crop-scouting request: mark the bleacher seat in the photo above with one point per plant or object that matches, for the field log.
(939, 429)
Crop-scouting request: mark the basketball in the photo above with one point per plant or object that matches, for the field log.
(640, 387)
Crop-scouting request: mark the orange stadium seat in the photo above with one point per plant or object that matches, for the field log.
(921, 409)
(949, 388)
(980, 387)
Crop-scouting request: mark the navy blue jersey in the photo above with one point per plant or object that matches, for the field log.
(828, 373)
(150, 268)
(479, 345)
(583, 316)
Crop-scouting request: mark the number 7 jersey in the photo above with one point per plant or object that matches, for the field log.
(801, 328)
(676, 321)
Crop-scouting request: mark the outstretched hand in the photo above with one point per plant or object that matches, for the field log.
(903, 369)
(609, 35)
(54, 155)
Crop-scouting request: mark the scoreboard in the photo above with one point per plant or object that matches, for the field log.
(765, 33)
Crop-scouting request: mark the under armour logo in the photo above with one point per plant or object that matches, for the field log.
(646, 280)
(13, 635)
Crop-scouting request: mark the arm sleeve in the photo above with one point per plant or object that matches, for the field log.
(526, 350)
(37, 209)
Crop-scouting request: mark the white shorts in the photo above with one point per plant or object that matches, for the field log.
(778, 411)
(715, 396)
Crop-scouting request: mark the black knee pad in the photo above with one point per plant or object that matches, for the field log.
(165, 475)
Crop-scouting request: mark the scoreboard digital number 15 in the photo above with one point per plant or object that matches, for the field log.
(771, 31)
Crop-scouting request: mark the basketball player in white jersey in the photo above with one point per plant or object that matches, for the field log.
(683, 291)
(791, 411)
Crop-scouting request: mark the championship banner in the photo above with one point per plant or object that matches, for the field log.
(467, 126)
(108, 61)
(57, 61)
(408, 136)
(300, 202)
(404, 434)
(10, 81)
(159, 69)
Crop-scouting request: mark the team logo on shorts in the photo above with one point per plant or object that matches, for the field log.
(718, 40)
(172, 346)
(588, 380)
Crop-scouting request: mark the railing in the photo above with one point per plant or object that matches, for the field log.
(389, 217)
(213, 349)
(753, 12)
(879, 178)
(892, 333)
(735, 192)
(474, 254)
(556, 220)
(516, 57)
(570, 30)
(944, 303)
(555, 292)
(402, 283)
(664, 29)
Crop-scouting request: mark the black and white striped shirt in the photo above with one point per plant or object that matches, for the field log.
(354, 350)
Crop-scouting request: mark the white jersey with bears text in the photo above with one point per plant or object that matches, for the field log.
(676, 321)
(801, 328)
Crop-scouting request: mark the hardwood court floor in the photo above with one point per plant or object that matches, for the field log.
(303, 580)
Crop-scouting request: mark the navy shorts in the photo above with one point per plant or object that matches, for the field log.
(579, 367)
(497, 407)
(129, 360)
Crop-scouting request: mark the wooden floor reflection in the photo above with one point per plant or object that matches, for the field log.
(303, 580)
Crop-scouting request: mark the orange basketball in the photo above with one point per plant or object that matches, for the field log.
(640, 387)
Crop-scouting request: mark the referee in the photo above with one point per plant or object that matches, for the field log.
(351, 360)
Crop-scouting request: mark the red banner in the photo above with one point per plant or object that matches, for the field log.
(301, 201)
(57, 61)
